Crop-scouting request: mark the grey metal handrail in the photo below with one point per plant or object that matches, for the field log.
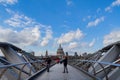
(14, 65)
(11, 65)
(108, 64)
(6, 62)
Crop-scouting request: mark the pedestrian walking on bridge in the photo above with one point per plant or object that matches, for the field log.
(48, 62)
(65, 62)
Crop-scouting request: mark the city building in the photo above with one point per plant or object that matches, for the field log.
(60, 52)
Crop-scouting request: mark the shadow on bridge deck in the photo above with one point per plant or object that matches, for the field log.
(56, 74)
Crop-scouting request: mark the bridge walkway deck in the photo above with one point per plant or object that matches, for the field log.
(56, 73)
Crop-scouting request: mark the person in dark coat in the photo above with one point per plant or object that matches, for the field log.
(65, 62)
(48, 61)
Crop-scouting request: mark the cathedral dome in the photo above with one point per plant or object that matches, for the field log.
(60, 52)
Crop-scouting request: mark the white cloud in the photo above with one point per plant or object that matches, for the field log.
(69, 2)
(86, 18)
(68, 37)
(89, 17)
(18, 20)
(96, 22)
(73, 45)
(78, 34)
(83, 44)
(98, 10)
(114, 4)
(112, 37)
(9, 11)
(76, 46)
(25, 37)
(92, 43)
(31, 30)
(108, 9)
(10, 2)
(47, 37)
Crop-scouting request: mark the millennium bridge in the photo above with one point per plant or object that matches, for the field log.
(18, 64)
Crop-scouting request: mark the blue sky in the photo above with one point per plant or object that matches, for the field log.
(79, 25)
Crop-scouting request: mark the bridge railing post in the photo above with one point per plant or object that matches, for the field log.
(104, 71)
(19, 77)
(30, 71)
(2, 72)
(94, 71)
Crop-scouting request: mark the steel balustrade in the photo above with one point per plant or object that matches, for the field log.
(2, 73)
(108, 64)
(11, 65)
(21, 70)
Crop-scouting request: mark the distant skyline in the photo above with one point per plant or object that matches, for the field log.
(78, 25)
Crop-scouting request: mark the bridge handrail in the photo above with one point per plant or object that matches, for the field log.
(107, 63)
(11, 65)
(101, 64)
